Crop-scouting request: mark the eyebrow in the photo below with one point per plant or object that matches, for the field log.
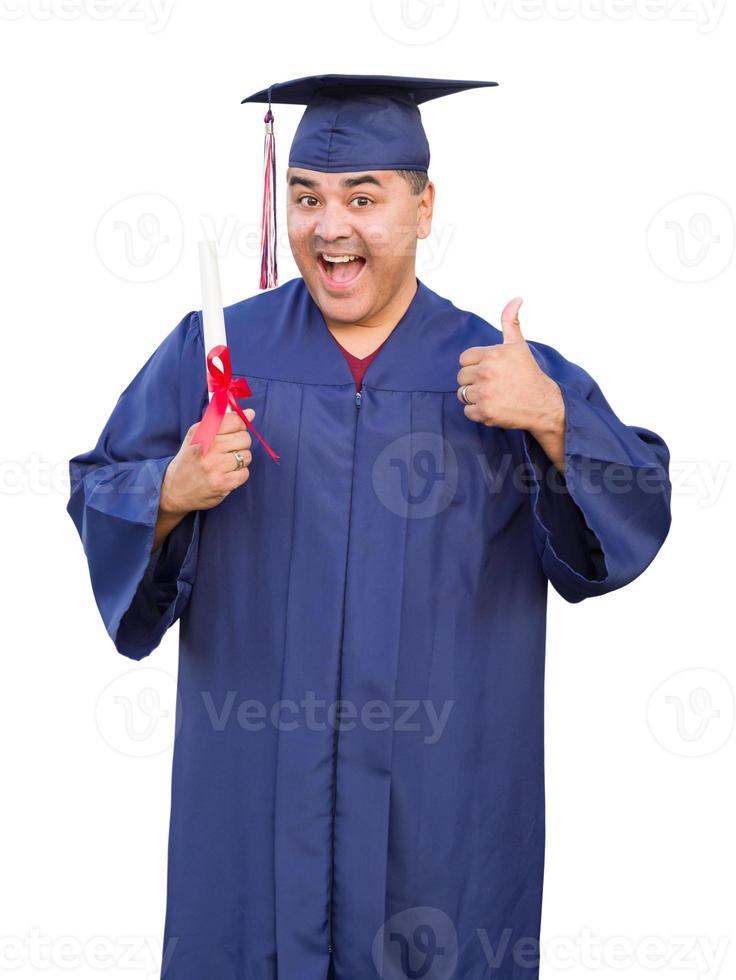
(345, 182)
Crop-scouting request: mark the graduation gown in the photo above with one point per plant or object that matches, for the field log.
(358, 783)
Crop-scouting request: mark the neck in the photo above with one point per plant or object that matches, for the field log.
(362, 338)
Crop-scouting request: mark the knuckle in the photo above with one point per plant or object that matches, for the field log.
(213, 483)
(221, 484)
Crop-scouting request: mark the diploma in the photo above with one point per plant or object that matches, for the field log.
(224, 390)
(213, 317)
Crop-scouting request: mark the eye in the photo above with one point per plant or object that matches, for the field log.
(366, 199)
(307, 197)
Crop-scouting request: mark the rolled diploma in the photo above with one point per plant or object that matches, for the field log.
(213, 317)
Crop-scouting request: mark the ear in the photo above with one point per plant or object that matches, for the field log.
(425, 209)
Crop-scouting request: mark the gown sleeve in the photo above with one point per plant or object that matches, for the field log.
(115, 493)
(598, 525)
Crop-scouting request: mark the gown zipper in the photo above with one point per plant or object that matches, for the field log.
(330, 946)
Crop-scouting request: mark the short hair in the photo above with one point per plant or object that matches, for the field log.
(417, 179)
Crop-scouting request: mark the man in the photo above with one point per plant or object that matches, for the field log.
(358, 784)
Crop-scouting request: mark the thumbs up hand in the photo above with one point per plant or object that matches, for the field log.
(503, 385)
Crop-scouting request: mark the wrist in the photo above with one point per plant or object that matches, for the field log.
(550, 418)
(168, 509)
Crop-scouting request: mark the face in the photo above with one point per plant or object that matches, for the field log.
(373, 217)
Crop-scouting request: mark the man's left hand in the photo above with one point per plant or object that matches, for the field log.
(507, 388)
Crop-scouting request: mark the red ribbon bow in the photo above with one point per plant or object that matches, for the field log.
(226, 390)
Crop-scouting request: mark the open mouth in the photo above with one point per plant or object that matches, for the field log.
(340, 270)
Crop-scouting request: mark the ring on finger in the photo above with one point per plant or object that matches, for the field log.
(463, 394)
(240, 459)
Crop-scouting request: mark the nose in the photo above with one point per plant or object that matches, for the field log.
(332, 225)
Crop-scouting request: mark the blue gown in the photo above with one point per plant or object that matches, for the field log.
(358, 782)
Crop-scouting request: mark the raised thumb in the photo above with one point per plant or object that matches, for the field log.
(510, 321)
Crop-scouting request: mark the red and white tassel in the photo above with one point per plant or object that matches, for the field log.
(269, 270)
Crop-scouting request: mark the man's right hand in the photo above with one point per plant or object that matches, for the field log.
(196, 482)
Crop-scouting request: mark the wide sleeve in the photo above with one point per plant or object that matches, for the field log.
(599, 524)
(115, 493)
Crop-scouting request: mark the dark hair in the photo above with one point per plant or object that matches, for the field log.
(417, 179)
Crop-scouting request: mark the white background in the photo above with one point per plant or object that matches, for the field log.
(597, 181)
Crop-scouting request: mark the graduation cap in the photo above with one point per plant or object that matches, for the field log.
(351, 123)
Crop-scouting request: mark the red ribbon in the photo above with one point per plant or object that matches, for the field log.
(226, 390)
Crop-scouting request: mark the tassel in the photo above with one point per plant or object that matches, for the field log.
(269, 271)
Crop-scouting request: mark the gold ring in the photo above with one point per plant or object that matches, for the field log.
(240, 459)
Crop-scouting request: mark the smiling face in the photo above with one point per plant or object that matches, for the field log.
(354, 239)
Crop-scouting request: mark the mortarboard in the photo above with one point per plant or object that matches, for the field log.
(351, 123)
